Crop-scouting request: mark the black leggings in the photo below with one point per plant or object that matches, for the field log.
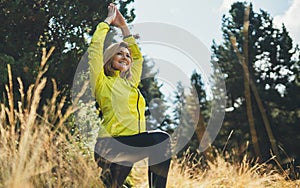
(116, 156)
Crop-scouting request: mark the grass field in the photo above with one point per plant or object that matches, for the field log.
(37, 150)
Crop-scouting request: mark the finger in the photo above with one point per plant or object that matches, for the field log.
(109, 8)
(114, 10)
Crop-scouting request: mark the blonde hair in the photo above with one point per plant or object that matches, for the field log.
(109, 53)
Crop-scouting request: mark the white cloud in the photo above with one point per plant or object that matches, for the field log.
(291, 20)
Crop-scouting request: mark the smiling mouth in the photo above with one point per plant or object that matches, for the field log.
(123, 63)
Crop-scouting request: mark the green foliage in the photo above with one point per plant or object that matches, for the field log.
(5, 59)
(27, 26)
(186, 111)
(155, 105)
(272, 69)
(197, 83)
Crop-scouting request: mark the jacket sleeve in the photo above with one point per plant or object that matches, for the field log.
(137, 57)
(95, 55)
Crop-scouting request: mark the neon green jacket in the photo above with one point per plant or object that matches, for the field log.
(121, 102)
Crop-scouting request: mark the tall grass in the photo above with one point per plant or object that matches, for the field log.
(221, 173)
(37, 150)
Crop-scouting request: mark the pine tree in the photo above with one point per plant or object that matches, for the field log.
(155, 103)
(191, 115)
(271, 71)
(28, 26)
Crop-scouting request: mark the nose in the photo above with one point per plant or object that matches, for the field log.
(124, 57)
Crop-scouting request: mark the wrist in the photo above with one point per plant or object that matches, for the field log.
(125, 31)
(108, 21)
(124, 28)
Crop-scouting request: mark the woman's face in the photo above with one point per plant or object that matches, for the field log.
(121, 60)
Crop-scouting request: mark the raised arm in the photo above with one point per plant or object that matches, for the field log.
(137, 64)
(95, 50)
(137, 57)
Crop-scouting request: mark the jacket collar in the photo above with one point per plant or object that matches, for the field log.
(117, 73)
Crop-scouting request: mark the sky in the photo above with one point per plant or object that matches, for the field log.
(201, 20)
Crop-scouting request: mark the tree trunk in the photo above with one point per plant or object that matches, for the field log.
(265, 120)
(200, 131)
(244, 62)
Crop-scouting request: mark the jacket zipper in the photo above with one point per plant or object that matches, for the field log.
(138, 110)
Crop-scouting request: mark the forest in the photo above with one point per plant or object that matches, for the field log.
(47, 127)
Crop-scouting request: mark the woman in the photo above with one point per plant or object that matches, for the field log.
(123, 139)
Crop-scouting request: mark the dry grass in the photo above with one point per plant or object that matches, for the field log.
(218, 174)
(38, 151)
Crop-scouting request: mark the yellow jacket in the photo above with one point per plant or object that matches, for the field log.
(120, 100)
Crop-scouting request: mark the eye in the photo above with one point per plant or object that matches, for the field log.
(127, 55)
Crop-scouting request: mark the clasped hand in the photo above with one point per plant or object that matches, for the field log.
(114, 17)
